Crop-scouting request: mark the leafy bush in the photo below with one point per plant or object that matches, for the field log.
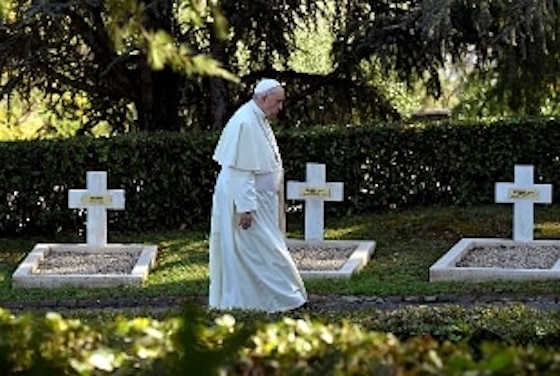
(214, 343)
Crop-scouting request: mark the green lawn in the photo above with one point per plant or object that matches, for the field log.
(408, 243)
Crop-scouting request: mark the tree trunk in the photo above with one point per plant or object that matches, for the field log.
(158, 105)
(218, 91)
(218, 106)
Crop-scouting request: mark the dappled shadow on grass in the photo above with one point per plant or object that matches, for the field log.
(181, 259)
(425, 224)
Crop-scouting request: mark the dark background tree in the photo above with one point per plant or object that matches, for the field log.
(501, 41)
(120, 55)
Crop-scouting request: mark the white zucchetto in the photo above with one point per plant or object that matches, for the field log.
(266, 84)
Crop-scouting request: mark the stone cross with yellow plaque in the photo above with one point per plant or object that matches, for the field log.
(523, 193)
(96, 199)
(315, 191)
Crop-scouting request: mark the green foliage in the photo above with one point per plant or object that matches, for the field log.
(54, 345)
(121, 56)
(167, 64)
(27, 116)
(509, 324)
(5, 6)
(503, 39)
(194, 343)
(127, 26)
(201, 350)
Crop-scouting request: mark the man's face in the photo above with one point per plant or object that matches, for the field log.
(273, 102)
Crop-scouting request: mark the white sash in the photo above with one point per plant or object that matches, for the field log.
(268, 182)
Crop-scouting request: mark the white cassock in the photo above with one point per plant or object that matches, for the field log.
(250, 268)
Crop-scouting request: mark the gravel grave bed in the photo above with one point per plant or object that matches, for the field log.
(306, 257)
(64, 261)
(61, 261)
(315, 257)
(511, 257)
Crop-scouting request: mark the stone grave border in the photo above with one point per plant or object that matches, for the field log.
(446, 269)
(96, 199)
(25, 276)
(523, 193)
(315, 191)
(358, 259)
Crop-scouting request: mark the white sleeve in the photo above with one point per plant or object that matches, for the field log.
(243, 188)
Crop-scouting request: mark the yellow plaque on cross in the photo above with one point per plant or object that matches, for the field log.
(93, 200)
(315, 192)
(523, 193)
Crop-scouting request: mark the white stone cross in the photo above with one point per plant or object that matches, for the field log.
(523, 193)
(315, 191)
(96, 199)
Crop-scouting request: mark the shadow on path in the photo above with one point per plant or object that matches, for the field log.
(318, 303)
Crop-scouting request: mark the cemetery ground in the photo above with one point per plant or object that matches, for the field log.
(409, 241)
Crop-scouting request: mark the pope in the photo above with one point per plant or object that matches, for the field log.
(250, 265)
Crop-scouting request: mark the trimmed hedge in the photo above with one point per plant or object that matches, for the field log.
(169, 177)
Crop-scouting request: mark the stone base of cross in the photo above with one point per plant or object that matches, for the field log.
(96, 199)
(315, 191)
(523, 193)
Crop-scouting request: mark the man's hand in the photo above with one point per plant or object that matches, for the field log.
(245, 220)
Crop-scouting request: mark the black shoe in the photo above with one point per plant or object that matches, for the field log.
(303, 307)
